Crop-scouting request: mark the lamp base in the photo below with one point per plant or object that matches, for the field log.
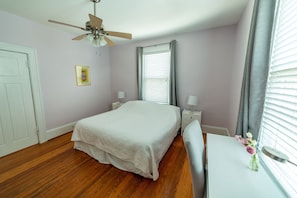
(192, 108)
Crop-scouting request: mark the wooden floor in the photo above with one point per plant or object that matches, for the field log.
(55, 169)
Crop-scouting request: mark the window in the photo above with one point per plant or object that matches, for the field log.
(279, 121)
(156, 73)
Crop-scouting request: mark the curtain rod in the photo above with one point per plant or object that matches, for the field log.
(157, 44)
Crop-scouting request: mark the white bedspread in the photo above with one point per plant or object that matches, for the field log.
(138, 132)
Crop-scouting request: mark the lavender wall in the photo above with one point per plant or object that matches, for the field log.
(204, 62)
(210, 65)
(64, 102)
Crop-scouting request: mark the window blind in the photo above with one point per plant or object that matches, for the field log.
(279, 122)
(156, 73)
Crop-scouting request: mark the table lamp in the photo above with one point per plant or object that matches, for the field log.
(276, 155)
(121, 96)
(192, 102)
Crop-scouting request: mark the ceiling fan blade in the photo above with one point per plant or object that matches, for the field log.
(95, 21)
(120, 34)
(52, 21)
(80, 37)
(108, 41)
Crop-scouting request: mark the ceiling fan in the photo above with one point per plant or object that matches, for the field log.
(97, 35)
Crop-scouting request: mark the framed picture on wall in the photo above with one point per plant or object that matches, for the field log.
(82, 75)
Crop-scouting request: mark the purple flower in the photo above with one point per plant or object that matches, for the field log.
(243, 141)
(251, 150)
(238, 137)
(248, 142)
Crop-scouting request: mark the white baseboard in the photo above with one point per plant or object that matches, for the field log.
(52, 133)
(215, 130)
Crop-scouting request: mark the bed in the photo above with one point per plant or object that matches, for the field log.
(134, 137)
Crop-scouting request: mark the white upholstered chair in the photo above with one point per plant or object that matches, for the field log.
(194, 144)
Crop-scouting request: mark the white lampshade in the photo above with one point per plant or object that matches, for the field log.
(192, 100)
(121, 95)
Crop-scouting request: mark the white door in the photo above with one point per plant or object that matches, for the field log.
(17, 118)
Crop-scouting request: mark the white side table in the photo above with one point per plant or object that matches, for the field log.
(116, 105)
(188, 116)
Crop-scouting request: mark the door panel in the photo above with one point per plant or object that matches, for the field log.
(17, 119)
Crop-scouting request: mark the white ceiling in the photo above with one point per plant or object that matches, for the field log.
(144, 19)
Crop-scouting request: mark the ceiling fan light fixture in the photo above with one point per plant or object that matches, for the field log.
(95, 42)
(102, 41)
(90, 37)
(97, 36)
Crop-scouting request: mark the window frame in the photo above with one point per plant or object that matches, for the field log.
(152, 50)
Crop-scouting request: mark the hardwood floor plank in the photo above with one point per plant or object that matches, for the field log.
(43, 175)
(105, 186)
(30, 153)
(55, 169)
(51, 179)
(24, 167)
(76, 181)
(144, 189)
(170, 171)
(184, 188)
(127, 186)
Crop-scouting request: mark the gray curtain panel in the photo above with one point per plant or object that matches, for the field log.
(139, 51)
(172, 89)
(256, 68)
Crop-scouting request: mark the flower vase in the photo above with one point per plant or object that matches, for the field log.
(254, 162)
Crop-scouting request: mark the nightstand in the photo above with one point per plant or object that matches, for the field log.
(188, 116)
(116, 105)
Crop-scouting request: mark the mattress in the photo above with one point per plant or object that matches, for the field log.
(134, 137)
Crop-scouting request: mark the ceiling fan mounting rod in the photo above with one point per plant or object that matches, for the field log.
(95, 1)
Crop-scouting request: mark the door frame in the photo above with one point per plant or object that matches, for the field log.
(35, 86)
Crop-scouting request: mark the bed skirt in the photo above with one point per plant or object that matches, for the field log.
(106, 158)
